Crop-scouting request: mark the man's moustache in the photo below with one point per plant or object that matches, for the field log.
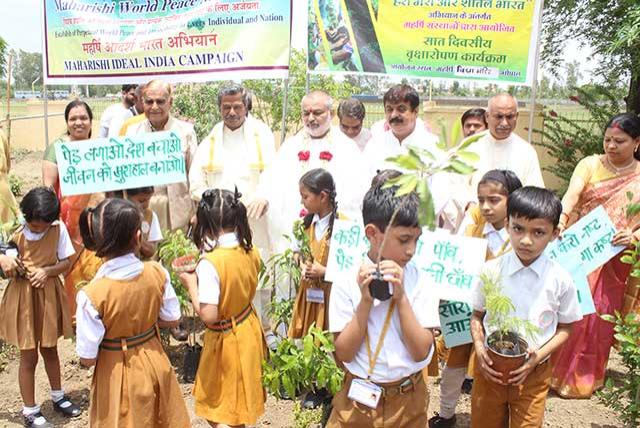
(395, 120)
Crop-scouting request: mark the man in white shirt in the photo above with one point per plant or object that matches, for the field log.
(119, 119)
(318, 145)
(501, 148)
(351, 114)
(171, 202)
(115, 110)
(401, 107)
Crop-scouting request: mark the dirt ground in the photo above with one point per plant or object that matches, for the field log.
(279, 414)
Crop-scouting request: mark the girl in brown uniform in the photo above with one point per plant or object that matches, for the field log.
(228, 388)
(118, 317)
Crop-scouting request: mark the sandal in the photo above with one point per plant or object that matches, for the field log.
(67, 408)
(36, 420)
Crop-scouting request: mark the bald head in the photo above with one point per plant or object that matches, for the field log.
(316, 113)
(157, 100)
(502, 115)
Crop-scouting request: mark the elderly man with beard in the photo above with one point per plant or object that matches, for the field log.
(501, 148)
(317, 145)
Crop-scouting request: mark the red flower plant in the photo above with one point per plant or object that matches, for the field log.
(574, 98)
(568, 142)
(326, 156)
(304, 155)
(303, 213)
(552, 113)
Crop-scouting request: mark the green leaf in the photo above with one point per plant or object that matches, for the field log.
(461, 167)
(468, 141)
(456, 131)
(467, 156)
(426, 215)
(608, 318)
(407, 187)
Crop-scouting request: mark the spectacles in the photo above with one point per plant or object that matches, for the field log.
(160, 102)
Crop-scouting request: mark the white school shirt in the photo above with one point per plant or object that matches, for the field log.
(89, 328)
(362, 138)
(65, 247)
(155, 233)
(495, 238)
(321, 226)
(394, 361)
(118, 121)
(108, 115)
(208, 278)
(542, 293)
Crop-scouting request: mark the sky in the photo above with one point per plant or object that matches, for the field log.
(20, 27)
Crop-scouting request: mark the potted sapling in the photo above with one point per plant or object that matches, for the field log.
(507, 344)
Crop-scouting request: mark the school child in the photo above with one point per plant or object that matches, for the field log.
(542, 293)
(228, 387)
(118, 316)
(385, 342)
(318, 195)
(487, 220)
(34, 311)
(151, 233)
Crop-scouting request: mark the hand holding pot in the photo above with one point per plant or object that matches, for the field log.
(486, 363)
(365, 276)
(519, 375)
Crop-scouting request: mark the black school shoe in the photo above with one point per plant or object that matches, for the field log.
(466, 386)
(36, 420)
(439, 422)
(66, 407)
(179, 333)
(313, 400)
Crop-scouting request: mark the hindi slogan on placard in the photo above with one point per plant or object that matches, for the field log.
(455, 323)
(584, 247)
(107, 164)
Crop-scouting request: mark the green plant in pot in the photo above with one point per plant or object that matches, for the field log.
(507, 344)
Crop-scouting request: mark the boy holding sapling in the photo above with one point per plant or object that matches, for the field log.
(383, 321)
(544, 300)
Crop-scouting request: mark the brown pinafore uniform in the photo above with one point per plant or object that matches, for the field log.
(32, 317)
(133, 385)
(306, 313)
(228, 387)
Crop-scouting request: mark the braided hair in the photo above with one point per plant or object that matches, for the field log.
(221, 210)
(319, 180)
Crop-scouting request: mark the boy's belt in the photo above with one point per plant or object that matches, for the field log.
(399, 387)
(124, 343)
(228, 324)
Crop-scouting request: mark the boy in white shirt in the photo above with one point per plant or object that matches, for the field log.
(544, 294)
(384, 344)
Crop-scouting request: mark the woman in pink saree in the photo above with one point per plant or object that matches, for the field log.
(600, 180)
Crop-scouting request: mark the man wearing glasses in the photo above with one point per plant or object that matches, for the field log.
(172, 203)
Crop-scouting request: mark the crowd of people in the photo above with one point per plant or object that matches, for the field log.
(242, 196)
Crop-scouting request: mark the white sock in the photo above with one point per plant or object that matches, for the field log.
(30, 410)
(57, 395)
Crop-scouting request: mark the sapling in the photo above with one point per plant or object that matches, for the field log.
(506, 327)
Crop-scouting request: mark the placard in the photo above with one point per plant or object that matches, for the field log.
(105, 164)
(455, 323)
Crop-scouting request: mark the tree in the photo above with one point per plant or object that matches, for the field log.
(610, 27)
(3, 57)
(28, 68)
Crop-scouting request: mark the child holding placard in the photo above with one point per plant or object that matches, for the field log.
(228, 388)
(487, 220)
(543, 294)
(318, 194)
(383, 321)
(34, 311)
(118, 317)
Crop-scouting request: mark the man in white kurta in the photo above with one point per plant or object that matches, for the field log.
(318, 145)
(171, 202)
(401, 104)
(351, 115)
(114, 111)
(234, 154)
(501, 148)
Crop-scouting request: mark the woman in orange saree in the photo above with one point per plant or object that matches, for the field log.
(600, 180)
(78, 117)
